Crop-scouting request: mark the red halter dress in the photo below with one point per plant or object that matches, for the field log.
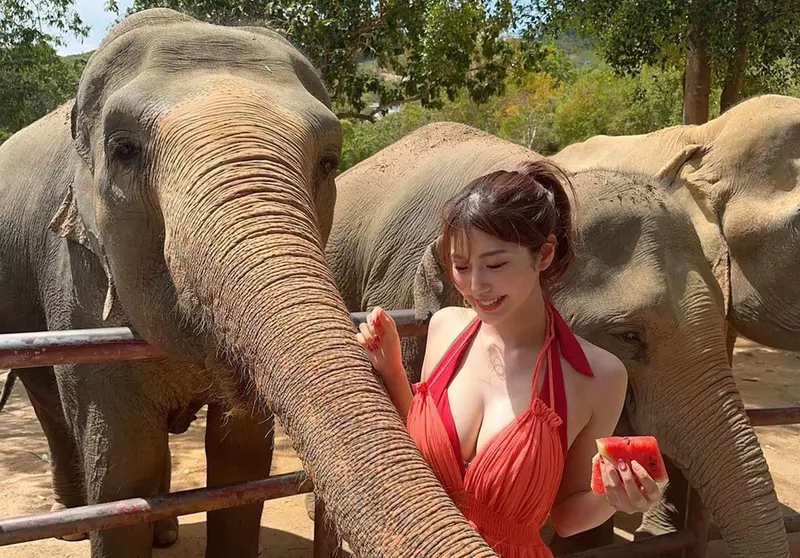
(506, 492)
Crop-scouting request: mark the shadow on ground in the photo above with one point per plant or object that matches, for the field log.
(274, 543)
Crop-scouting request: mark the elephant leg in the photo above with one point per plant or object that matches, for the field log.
(123, 435)
(238, 449)
(42, 389)
(65, 463)
(165, 531)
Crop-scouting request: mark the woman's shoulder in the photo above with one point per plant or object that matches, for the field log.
(443, 329)
(451, 317)
(609, 371)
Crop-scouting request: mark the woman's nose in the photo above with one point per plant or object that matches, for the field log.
(479, 283)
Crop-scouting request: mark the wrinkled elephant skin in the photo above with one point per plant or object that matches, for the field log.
(640, 288)
(737, 177)
(188, 191)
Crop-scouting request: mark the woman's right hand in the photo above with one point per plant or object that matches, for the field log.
(379, 336)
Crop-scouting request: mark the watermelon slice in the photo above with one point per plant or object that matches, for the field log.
(644, 449)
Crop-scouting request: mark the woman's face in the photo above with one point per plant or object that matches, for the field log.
(496, 277)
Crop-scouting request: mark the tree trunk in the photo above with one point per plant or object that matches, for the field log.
(734, 75)
(697, 80)
(734, 80)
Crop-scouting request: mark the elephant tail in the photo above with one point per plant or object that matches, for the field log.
(8, 386)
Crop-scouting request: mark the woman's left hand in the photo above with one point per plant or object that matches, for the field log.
(622, 491)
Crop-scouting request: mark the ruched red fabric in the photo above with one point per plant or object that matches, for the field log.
(507, 490)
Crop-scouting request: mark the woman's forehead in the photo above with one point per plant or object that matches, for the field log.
(466, 242)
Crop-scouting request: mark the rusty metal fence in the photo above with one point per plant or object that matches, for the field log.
(28, 350)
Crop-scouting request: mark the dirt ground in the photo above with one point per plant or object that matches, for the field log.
(767, 378)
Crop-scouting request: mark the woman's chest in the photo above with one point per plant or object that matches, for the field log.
(488, 394)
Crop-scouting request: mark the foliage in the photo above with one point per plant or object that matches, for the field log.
(23, 22)
(631, 34)
(542, 112)
(601, 103)
(427, 50)
(33, 81)
(33, 78)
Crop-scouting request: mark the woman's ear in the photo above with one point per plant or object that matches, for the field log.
(547, 252)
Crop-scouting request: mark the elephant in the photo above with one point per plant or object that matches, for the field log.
(739, 172)
(737, 175)
(187, 192)
(640, 288)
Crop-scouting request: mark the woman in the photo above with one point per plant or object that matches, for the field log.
(510, 401)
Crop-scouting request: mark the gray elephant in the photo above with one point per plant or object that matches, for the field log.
(640, 288)
(737, 176)
(188, 192)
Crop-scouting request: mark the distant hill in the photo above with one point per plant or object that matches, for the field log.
(581, 51)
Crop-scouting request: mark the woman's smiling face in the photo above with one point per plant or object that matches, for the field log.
(494, 276)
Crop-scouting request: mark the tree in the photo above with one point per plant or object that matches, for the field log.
(386, 52)
(33, 78)
(713, 41)
(33, 81)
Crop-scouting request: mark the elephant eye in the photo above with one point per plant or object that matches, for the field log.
(328, 164)
(123, 150)
(632, 337)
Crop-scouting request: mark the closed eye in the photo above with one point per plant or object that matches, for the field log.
(496, 266)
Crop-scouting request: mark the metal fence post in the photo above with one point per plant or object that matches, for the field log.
(326, 541)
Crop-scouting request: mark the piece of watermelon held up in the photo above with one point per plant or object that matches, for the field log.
(643, 449)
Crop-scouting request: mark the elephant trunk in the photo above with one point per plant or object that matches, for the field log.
(245, 253)
(707, 434)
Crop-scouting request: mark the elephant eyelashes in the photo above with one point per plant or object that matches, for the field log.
(123, 150)
(328, 164)
(631, 337)
(634, 342)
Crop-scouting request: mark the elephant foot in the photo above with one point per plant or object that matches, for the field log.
(165, 532)
(310, 505)
(75, 537)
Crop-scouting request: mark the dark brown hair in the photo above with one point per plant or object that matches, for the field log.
(523, 206)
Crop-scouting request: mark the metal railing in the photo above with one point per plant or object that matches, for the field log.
(27, 350)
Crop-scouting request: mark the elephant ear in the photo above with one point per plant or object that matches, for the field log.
(691, 177)
(74, 220)
(429, 283)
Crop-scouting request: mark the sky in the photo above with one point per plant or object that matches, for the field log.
(94, 15)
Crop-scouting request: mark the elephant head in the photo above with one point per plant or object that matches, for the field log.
(738, 175)
(205, 160)
(642, 289)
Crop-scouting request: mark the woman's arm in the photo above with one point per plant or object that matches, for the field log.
(577, 508)
(379, 336)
